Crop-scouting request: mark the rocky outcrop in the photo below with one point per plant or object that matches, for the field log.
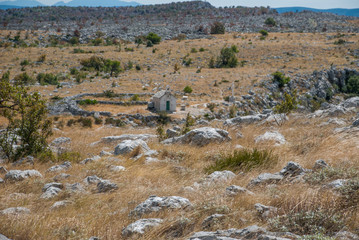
(61, 167)
(201, 137)
(19, 175)
(155, 204)
(141, 226)
(271, 136)
(127, 146)
(106, 186)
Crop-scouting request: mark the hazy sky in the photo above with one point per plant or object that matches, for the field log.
(324, 4)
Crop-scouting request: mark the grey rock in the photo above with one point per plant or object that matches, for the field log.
(319, 164)
(75, 188)
(60, 141)
(2, 237)
(141, 226)
(106, 186)
(61, 176)
(351, 102)
(94, 238)
(1, 180)
(50, 192)
(265, 211)
(155, 204)
(356, 123)
(345, 235)
(292, 169)
(336, 184)
(270, 237)
(90, 160)
(29, 160)
(271, 136)
(60, 204)
(18, 175)
(127, 146)
(245, 119)
(61, 167)
(104, 153)
(53, 184)
(251, 232)
(117, 168)
(266, 178)
(216, 178)
(92, 179)
(123, 137)
(201, 137)
(15, 211)
(235, 190)
(172, 133)
(212, 220)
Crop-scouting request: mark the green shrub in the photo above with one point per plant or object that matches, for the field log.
(202, 49)
(102, 65)
(188, 124)
(350, 193)
(163, 118)
(98, 121)
(211, 106)
(308, 222)
(85, 122)
(187, 89)
(115, 122)
(193, 50)
(73, 157)
(135, 97)
(88, 102)
(353, 84)
(289, 104)
(329, 174)
(339, 42)
(138, 67)
(74, 71)
(47, 79)
(263, 32)
(227, 57)
(23, 79)
(97, 41)
(24, 62)
(243, 160)
(187, 62)
(109, 94)
(218, 28)
(280, 78)
(78, 50)
(42, 58)
(74, 40)
(70, 122)
(270, 22)
(154, 38)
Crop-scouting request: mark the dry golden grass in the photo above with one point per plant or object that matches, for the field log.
(104, 215)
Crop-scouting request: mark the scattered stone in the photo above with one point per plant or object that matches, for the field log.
(245, 119)
(266, 178)
(265, 211)
(53, 184)
(216, 178)
(51, 192)
(61, 167)
(18, 175)
(320, 164)
(336, 184)
(60, 141)
(104, 153)
(292, 169)
(1, 180)
(204, 136)
(60, 204)
(235, 190)
(94, 238)
(155, 204)
(356, 123)
(172, 133)
(127, 146)
(75, 188)
(2, 237)
(90, 160)
(212, 220)
(345, 235)
(117, 168)
(351, 102)
(150, 153)
(143, 137)
(61, 176)
(106, 186)
(15, 211)
(29, 160)
(141, 226)
(271, 136)
(149, 160)
(270, 237)
(92, 180)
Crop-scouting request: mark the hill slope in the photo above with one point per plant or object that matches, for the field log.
(95, 3)
(20, 3)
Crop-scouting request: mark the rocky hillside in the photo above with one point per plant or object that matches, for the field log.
(168, 20)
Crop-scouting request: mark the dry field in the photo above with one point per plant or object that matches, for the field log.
(106, 214)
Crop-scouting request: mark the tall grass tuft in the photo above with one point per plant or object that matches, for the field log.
(243, 160)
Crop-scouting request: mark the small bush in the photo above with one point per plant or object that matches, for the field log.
(163, 118)
(23, 79)
(135, 98)
(154, 38)
(98, 121)
(24, 62)
(329, 174)
(270, 22)
(47, 79)
(138, 67)
(350, 193)
(308, 222)
(202, 49)
(70, 122)
(74, 71)
(263, 32)
(115, 122)
(280, 78)
(193, 50)
(289, 104)
(218, 28)
(73, 157)
(227, 58)
(353, 84)
(187, 89)
(78, 50)
(243, 160)
(88, 102)
(339, 42)
(85, 122)
(42, 58)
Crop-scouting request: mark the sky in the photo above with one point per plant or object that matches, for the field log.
(322, 4)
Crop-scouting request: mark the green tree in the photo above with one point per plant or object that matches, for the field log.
(227, 57)
(353, 85)
(27, 122)
(218, 28)
(280, 78)
(154, 38)
(289, 103)
(270, 22)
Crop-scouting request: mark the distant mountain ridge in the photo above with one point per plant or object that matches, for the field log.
(73, 3)
(340, 11)
(97, 3)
